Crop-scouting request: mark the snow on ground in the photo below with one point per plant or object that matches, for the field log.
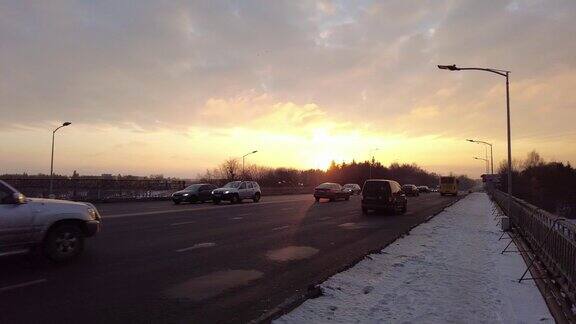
(447, 270)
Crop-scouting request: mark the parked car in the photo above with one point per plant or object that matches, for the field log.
(383, 195)
(236, 191)
(199, 192)
(410, 190)
(424, 189)
(58, 227)
(353, 187)
(331, 191)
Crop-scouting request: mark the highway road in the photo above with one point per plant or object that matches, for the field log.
(156, 262)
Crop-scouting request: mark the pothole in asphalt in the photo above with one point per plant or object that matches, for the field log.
(213, 284)
(291, 253)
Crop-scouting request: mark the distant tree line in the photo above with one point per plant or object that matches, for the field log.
(354, 172)
(548, 185)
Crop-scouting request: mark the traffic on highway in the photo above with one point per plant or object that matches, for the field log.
(165, 261)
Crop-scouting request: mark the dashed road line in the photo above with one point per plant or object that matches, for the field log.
(236, 218)
(197, 209)
(22, 285)
(182, 223)
(280, 227)
(197, 246)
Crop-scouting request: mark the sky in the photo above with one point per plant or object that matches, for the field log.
(176, 87)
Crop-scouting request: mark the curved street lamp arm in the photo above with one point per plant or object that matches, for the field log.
(57, 128)
(482, 142)
(496, 71)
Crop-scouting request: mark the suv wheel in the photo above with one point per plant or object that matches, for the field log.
(64, 243)
(256, 197)
(235, 199)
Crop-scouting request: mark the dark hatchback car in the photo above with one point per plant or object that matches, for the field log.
(331, 191)
(383, 195)
(411, 190)
(199, 192)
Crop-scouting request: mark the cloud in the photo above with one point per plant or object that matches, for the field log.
(288, 66)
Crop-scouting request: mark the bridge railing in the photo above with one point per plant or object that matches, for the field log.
(97, 189)
(552, 239)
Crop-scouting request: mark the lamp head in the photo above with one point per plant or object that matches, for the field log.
(67, 124)
(448, 67)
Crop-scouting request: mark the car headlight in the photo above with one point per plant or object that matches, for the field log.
(185, 194)
(227, 192)
(93, 214)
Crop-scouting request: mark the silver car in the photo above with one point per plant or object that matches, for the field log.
(236, 191)
(58, 227)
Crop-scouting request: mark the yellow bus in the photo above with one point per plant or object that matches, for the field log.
(448, 186)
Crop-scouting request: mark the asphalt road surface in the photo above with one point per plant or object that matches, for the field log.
(156, 262)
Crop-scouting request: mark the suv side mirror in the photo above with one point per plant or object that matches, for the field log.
(18, 198)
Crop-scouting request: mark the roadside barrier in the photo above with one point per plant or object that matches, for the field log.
(551, 238)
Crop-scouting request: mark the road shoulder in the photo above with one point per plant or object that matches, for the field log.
(449, 269)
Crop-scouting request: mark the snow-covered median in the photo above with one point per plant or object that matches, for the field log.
(447, 270)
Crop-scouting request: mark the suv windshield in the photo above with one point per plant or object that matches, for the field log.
(232, 184)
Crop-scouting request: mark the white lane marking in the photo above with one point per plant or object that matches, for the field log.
(197, 209)
(182, 223)
(236, 218)
(197, 246)
(280, 227)
(22, 285)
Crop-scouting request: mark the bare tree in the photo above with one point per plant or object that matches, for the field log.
(533, 159)
(230, 169)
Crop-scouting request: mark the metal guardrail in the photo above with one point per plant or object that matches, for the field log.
(97, 189)
(552, 239)
(82, 189)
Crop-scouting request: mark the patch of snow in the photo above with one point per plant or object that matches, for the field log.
(447, 270)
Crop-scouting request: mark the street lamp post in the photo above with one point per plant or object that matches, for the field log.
(485, 163)
(505, 74)
(243, 156)
(491, 152)
(52, 156)
(371, 161)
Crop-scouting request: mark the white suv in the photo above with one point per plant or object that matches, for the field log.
(57, 226)
(236, 191)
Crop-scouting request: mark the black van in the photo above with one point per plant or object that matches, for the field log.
(380, 194)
